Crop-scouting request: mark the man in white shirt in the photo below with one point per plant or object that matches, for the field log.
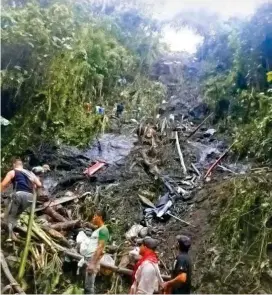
(146, 277)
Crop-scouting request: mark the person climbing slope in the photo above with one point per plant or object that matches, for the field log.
(24, 183)
(146, 276)
(181, 274)
(119, 109)
(99, 238)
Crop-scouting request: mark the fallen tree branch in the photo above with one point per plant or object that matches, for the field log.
(120, 270)
(217, 161)
(68, 181)
(196, 170)
(28, 239)
(7, 288)
(65, 225)
(54, 214)
(192, 133)
(180, 154)
(13, 283)
(181, 220)
(55, 234)
(59, 201)
(226, 169)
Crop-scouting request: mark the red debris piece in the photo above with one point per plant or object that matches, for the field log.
(94, 168)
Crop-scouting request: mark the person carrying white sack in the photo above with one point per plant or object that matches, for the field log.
(93, 249)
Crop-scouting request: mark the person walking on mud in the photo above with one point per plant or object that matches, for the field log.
(24, 183)
(99, 238)
(181, 273)
(146, 276)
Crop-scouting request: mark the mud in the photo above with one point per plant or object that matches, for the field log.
(118, 185)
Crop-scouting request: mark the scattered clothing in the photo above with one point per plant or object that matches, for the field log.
(99, 110)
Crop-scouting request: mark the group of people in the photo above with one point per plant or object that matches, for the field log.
(146, 278)
(99, 110)
(146, 275)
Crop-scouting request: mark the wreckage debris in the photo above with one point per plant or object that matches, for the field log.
(59, 228)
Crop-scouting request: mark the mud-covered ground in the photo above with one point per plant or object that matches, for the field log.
(117, 186)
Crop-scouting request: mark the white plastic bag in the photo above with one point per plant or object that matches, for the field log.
(133, 232)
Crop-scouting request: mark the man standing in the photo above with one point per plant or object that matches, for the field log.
(119, 109)
(181, 274)
(99, 239)
(24, 183)
(146, 276)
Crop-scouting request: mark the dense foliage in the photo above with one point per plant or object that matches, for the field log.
(58, 55)
(244, 232)
(236, 59)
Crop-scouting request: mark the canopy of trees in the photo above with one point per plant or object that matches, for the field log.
(236, 58)
(58, 55)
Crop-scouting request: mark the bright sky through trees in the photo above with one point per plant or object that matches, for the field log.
(186, 39)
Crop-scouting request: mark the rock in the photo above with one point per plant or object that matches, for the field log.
(200, 111)
(208, 179)
(143, 232)
(187, 197)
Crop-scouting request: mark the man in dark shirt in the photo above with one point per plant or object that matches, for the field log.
(24, 183)
(119, 109)
(181, 274)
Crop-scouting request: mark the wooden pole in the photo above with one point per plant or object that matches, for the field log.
(13, 283)
(217, 161)
(28, 239)
(120, 270)
(180, 153)
(192, 133)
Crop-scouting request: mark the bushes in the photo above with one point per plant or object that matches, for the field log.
(243, 82)
(55, 58)
(243, 233)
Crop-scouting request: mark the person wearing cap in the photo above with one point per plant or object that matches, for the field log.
(181, 274)
(146, 275)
